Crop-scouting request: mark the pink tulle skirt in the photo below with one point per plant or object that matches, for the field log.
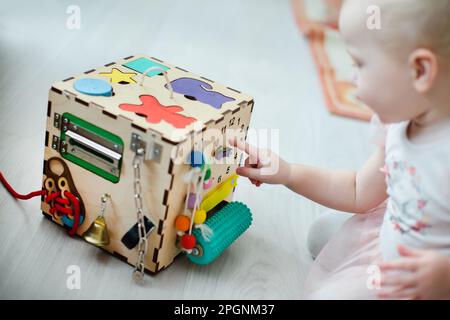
(346, 267)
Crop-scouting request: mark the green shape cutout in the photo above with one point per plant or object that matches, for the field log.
(142, 64)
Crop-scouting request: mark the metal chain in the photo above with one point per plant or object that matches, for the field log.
(138, 273)
(103, 203)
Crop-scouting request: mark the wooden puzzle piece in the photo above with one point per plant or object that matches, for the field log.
(117, 76)
(142, 64)
(198, 90)
(154, 112)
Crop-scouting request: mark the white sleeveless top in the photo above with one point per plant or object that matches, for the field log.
(418, 186)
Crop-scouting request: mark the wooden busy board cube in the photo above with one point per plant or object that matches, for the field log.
(99, 119)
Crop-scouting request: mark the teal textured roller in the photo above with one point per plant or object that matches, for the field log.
(227, 225)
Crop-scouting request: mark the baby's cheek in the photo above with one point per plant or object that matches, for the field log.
(371, 94)
(366, 93)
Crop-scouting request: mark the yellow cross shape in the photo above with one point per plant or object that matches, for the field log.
(117, 76)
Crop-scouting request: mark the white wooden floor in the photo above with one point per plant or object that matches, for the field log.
(251, 45)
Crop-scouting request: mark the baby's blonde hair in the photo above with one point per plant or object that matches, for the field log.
(429, 18)
(423, 23)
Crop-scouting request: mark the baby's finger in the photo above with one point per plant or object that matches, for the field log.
(405, 264)
(247, 148)
(251, 162)
(255, 182)
(408, 252)
(251, 173)
(403, 281)
(398, 294)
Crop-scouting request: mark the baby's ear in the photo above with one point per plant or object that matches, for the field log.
(424, 69)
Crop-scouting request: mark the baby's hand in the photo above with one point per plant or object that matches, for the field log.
(427, 276)
(262, 165)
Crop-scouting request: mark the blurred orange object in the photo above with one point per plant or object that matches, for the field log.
(314, 15)
(317, 19)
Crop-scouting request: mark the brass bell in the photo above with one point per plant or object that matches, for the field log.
(97, 233)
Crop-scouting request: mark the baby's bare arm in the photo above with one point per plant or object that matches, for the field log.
(355, 192)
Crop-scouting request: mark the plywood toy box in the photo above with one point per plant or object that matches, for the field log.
(142, 133)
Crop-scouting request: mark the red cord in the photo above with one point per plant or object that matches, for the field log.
(77, 212)
(17, 195)
(58, 208)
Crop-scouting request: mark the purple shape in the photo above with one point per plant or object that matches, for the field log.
(200, 91)
(191, 200)
(222, 152)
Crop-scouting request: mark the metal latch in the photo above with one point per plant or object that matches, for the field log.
(152, 149)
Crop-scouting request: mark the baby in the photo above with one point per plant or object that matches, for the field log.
(401, 196)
